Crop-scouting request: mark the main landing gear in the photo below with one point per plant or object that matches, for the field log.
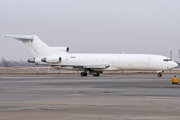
(83, 74)
(97, 74)
(91, 72)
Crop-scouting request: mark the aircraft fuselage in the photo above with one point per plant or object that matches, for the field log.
(115, 62)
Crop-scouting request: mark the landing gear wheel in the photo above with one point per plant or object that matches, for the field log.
(83, 74)
(96, 75)
(159, 75)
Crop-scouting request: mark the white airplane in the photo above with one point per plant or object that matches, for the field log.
(92, 63)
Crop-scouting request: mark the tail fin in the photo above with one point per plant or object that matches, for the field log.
(179, 52)
(37, 47)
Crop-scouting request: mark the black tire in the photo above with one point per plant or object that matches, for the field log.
(96, 75)
(83, 74)
(159, 75)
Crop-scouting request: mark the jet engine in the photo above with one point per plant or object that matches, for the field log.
(31, 60)
(51, 59)
(59, 50)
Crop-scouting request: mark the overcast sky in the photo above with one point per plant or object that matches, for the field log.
(92, 26)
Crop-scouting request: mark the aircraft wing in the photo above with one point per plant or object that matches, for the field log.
(95, 66)
(19, 37)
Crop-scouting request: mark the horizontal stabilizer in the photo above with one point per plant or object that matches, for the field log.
(20, 37)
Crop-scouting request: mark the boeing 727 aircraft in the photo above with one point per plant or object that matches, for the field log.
(92, 63)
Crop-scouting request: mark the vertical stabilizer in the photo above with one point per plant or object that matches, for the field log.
(37, 47)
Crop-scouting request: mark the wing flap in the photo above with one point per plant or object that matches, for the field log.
(100, 66)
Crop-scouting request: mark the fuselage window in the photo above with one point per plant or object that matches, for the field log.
(73, 56)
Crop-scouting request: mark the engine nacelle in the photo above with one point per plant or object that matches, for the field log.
(31, 60)
(51, 59)
(59, 50)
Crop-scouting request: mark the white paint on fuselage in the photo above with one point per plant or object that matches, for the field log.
(59, 57)
(118, 62)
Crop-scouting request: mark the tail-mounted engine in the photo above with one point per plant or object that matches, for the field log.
(31, 60)
(51, 59)
(59, 50)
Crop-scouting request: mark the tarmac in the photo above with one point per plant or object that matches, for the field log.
(71, 97)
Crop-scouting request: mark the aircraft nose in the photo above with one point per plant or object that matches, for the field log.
(174, 64)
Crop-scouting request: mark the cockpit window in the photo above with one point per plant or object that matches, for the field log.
(167, 59)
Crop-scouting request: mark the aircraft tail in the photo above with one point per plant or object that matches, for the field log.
(37, 47)
(179, 52)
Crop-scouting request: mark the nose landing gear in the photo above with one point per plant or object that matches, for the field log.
(159, 75)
